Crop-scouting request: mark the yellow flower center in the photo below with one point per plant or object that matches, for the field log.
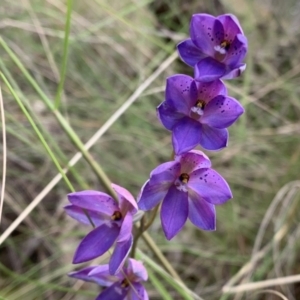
(125, 283)
(184, 178)
(221, 50)
(197, 109)
(200, 104)
(117, 216)
(225, 45)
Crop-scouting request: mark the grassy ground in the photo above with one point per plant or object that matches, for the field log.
(115, 50)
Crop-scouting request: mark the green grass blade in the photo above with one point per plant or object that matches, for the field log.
(59, 153)
(65, 125)
(65, 55)
(159, 285)
(38, 132)
(179, 287)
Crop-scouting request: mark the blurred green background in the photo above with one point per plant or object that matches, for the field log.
(115, 47)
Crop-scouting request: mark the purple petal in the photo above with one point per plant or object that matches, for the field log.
(96, 243)
(126, 228)
(114, 292)
(137, 268)
(231, 26)
(210, 186)
(155, 189)
(221, 112)
(94, 200)
(201, 213)
(235, 72)
(137, 292)
(151, 195)
(168, 114)
(126, 201)
(103, 278)
(165, 173)
(174, 212)
(186, 135)
(193, 160)
(83, 274)
(119, 255)
(236, 52)
(213, 138)
(78, 214)
(189, 52)
(101, 273)
(181, 91)
(206, 32)
(209, 69)
(209, 90)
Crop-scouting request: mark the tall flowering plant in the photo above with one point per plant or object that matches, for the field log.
(197, 111)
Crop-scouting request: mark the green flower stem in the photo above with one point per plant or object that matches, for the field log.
(142, 228)
(139, 231)
(152, 218)
(65, 55)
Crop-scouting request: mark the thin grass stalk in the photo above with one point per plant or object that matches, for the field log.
(65, 55)
(62, 121)
(59, 153)
(184, 291)
(38, 132)
(159, 285)
(109, 10)
(4, 151)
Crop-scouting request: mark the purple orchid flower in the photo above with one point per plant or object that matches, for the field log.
(216, 48)
(124, 285)
(197, 113)
(113, 224)
(188, 188)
